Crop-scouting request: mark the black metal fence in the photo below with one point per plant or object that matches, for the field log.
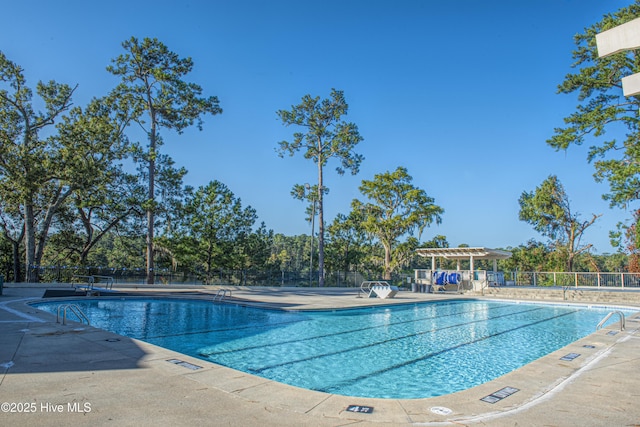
(69, 274)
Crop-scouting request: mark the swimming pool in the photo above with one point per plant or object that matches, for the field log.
(403, 351)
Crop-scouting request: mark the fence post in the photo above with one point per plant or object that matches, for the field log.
(575, 279)
(622, 279)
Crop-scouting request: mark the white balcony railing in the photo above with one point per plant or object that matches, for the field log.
(528, 278)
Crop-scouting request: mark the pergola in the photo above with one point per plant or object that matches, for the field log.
(459, 254)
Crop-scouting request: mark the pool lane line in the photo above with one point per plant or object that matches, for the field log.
(352, 381)
(374, 344)
(107, 316)
(345, 332)
(386, 325)
(350, 331)
(270, 325)
(265, 326)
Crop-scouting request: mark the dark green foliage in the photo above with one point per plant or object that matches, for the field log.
(395, 208)
(603, 109)
(153, 94)
(326, 136)
(548, 210)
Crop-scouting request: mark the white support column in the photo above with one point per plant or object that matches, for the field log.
(433, 263)
(618, 39)
(631, 85)
(472, 275)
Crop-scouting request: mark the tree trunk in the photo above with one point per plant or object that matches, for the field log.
(34, 244)
(31, 274)
(15, 245)
(151, 207)
(320, 227)
(15, 253)
(387, 261)
(56, 201)
(571, 247)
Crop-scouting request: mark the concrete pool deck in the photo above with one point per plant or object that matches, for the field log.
(77, 375)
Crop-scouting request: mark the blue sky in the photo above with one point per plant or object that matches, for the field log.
(461, 93)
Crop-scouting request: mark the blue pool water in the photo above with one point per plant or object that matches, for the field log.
(407, 351)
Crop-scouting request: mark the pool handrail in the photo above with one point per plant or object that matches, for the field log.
(221, 294)
(608, 316)
(74, 309)
(108, 281)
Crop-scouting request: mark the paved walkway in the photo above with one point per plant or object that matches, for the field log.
(75, 375)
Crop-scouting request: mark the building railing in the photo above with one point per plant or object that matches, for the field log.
(576, 279)
(430, 280)
(535, 278)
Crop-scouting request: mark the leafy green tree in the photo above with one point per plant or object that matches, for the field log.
(38, 176)
(308, 193)
(404, 254)
(278, 245)
(156, 96)
(254, 249)
(597, 82)
(64, 242)
(438, 241)
(90, 215)
(108, 195)
(628, 237)
(346, 241)
(613, 262)
(121, 248)
(395, 208)
(325, 137)
(170, 192)
(6, 260)
(532, 256)
(217, 221)
(373, 259)
(25, 157)
(12, 223)
(548, 210)
(290, 255)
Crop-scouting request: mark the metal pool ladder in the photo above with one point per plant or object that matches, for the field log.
(74, 309)
(221, 294)
(608, 316)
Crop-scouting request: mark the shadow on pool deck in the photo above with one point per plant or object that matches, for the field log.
(76, 375)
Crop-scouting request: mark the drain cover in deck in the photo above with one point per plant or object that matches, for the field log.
(570, 356)
(500, 394)
(184, 364)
